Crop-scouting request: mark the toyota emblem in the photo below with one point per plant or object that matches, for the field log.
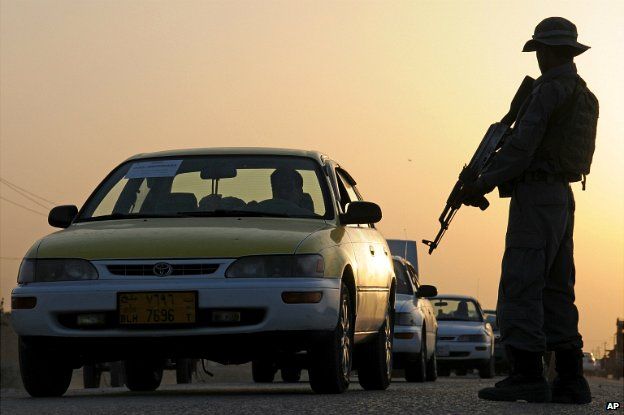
(162, 269)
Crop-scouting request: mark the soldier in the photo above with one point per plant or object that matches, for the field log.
(551, 145)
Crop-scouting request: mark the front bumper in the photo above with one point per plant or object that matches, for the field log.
(407, 339)
(263, 295)
(459, 351)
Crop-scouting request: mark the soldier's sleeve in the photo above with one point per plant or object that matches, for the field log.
(517, 153)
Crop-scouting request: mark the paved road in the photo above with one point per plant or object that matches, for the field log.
(452, 395)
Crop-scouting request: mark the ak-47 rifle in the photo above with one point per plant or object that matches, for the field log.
(490, 144)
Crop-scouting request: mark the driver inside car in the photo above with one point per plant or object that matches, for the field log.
(287, 184)
(462, 310)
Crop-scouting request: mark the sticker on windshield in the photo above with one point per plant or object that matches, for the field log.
(161, 168)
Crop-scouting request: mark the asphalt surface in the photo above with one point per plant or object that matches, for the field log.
(451, 395)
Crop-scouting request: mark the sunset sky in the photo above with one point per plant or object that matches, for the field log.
(399, 92)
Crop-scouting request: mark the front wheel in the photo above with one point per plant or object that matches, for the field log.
(416, 371)
(375, 357)
(487, 369)
(432, 368)
(44, 371)
(143, 375)
(330, 359)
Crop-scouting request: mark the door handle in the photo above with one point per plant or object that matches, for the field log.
(371, 249)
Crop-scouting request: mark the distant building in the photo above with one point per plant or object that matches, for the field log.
(613, 361)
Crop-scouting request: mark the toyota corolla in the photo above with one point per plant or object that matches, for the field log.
(231, 255)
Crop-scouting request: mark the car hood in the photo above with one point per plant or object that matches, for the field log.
(454, 328)
(178, 238)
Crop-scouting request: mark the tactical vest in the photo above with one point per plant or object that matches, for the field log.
(570, 137)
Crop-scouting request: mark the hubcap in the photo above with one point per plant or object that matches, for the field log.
(345, 340)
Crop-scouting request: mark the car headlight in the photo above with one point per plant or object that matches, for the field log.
(49, 270)
(473, 338)
(275, 266)
(404, 319)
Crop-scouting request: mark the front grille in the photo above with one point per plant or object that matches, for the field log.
(446, 338)
(148, 269)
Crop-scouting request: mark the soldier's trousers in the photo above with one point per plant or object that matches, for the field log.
(536, 310)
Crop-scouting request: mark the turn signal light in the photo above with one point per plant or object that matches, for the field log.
(306, 297)
(23, 303)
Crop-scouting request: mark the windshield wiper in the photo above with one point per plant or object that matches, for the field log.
(224, 213)
(114, 216)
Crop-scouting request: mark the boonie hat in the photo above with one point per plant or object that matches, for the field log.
(555, 31)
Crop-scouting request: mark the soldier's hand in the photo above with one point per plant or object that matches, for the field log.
(472, 194)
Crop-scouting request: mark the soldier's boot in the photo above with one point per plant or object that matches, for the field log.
(526, 382)
(570, 386)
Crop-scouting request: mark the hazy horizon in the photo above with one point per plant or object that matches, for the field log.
(399, 92)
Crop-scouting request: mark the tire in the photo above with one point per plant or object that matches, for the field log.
(91, 376)
(416, 371)
(143, 375)
(45, 373)
(444, 371)
(331, 359)
(375, 364)
(432, 368)
(263, 371)
(184, 370)
(488, 369)
(291, 374)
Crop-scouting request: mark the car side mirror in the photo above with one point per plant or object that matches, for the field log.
(361, 213)
(62, 216)
(427, 291)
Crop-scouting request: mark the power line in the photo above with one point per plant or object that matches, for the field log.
(14, 187)
(22, 206)
(23, 194)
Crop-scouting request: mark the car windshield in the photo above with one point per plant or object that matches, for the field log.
(402, 280)
(457, 309)
(274, 186)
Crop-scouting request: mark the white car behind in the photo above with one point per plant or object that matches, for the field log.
(465, 338)
(415, 325)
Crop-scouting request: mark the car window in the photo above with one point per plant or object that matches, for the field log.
(253, 185)
(458, 309)
(413, 276)
(347, 192)
(402, 279)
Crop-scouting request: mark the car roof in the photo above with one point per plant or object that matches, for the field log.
(253, 151)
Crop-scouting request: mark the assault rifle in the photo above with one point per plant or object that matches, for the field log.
(490, 144)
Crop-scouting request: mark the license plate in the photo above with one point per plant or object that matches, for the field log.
(443, 351)
(157, 307)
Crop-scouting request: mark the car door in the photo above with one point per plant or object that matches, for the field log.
(426, 308)
(373, 260)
